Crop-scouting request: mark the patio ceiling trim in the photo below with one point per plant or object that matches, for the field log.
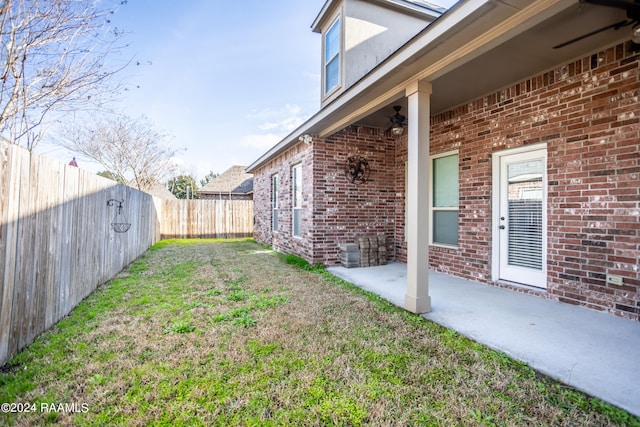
(402, 56)
(521, 21)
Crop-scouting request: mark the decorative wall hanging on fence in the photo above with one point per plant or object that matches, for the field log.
(357, 169)
(119, 223)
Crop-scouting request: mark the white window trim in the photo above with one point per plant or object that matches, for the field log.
(293, 200)
(327, 93)
(406, 199)
(450, 208)
(275, 191)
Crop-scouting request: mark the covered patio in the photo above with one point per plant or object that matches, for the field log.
(592, 351)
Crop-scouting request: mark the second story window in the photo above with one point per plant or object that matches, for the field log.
(332, 57)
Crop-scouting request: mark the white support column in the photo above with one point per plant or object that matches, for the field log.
(417, 299)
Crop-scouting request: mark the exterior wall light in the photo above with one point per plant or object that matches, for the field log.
(306, 138)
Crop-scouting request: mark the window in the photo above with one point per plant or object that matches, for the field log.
(406, 199)
(296, 203)
(274, 203)
(444, 199)
(332, 57)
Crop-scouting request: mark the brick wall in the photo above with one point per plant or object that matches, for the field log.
(588, 113)
(283, 240)
(343, 210)
(336, 210)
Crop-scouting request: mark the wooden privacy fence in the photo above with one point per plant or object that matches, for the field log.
(57, 244)
(205, 218)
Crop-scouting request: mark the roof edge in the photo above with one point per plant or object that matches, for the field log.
(315, 26)
(412, 7)
(286, 143)
(291, 140)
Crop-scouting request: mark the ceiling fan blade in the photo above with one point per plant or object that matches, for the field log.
(617, 25)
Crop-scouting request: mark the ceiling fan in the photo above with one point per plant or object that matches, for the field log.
(633, 18)
(398, 122)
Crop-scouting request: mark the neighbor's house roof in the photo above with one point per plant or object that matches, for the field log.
(157, 190)
(160, 191)
(475, 48)
(232, 181)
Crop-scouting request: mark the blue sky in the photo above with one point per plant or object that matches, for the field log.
(225, 79)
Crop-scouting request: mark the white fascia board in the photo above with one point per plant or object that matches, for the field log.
(407, 6)
(403, 56)
(433, 31)
(286, 143)
(412, 8)
(517, 22)
(326, 8)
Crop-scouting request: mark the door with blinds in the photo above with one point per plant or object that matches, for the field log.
(522, 217)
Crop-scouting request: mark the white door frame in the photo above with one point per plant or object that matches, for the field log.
(496, 209)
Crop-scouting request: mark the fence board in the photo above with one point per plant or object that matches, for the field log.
(8, 217)
(41, 179)
(54, 259)
(57, 244)
(22, 293)
(206, 219)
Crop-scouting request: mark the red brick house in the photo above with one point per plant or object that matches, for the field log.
(518, 164)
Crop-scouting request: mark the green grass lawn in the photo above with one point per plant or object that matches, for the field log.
(204, 332)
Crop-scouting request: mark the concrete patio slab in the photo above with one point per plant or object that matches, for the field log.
(592, 351)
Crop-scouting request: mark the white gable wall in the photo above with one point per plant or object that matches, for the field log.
(371, 32)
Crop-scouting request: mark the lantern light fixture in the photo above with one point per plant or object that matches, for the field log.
(398, 122)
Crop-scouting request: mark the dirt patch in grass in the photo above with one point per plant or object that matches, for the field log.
(229, 333)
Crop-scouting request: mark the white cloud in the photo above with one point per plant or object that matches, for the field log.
(281, 121)
(262, 142)
(271, 125)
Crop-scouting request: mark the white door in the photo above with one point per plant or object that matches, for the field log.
(522, 217)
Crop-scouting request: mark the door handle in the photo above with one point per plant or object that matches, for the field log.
(502, 227)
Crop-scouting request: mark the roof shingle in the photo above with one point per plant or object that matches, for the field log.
(234, 180)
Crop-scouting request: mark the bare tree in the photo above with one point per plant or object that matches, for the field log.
(52, 58)
(131, 149)
(208, 177)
